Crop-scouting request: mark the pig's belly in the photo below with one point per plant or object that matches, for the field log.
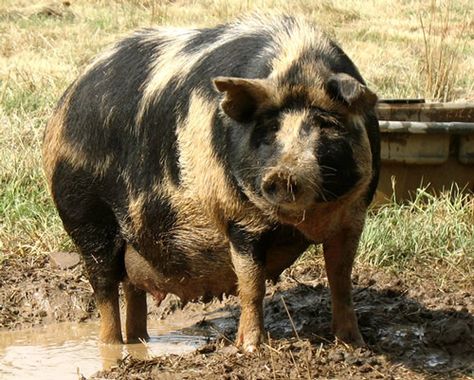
(190, 274)
(199, 264)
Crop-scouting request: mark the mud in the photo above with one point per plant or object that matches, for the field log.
(35, 292)
(414, 327)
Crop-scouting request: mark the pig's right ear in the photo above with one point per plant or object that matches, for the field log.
(243, 97)
(351, 92)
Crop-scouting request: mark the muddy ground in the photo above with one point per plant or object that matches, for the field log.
(414, 327)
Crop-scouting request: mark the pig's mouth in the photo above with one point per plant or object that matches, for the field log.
(288, 192)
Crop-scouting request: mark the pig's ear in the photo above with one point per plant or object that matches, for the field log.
(243, 97)
(351, 92)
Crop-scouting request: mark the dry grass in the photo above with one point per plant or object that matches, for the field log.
(43, 47)
(444, 46)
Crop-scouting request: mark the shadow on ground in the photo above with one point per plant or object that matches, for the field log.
(431, 341)
(411, 332)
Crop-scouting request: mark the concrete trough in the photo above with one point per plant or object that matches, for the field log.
(425, 144)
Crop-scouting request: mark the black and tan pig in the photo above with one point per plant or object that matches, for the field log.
(203, 161)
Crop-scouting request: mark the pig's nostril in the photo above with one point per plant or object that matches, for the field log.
(270, 187)
(281, 189)
(294, 189)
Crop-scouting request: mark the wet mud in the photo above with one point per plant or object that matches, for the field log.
(414, 328)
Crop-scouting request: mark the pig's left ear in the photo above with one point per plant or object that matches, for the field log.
(351, 92)
(243, 97)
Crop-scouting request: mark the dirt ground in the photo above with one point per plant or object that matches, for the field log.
(414, 328)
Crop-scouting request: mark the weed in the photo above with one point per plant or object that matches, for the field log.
(443, 49)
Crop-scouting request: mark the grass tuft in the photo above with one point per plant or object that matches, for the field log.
(444, 46)
(424, 229)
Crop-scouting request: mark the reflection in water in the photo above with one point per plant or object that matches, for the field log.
(62, 351)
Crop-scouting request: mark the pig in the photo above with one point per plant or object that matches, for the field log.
(199, 162)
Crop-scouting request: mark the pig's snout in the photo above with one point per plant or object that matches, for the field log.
(280, 187)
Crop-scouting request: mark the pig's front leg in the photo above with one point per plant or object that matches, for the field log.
(247, 259)
(339, 253)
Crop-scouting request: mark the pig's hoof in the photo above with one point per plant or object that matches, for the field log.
(250, 342)
(352, 337)
(251, 348)
(110, 340)
(138, 339)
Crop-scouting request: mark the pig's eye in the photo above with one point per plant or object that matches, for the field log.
(331, 126)
(268, 137)
(326, 121)
(265, 134)
(326, 124)
(273, 127)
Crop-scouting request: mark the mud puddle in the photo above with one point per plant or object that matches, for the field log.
(68, 350)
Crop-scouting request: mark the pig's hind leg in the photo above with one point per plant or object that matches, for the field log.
(103, 257)
(136, 315)
(92, 225)
(102, 251)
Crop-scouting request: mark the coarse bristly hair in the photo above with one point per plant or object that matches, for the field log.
(146, 152)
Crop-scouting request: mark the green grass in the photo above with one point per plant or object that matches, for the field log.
(427, 227)
(29, 224)
(41, 55)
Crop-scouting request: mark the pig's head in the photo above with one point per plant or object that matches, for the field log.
(291, 147)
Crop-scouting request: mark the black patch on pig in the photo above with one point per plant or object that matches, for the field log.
(246, 243)
(240, 57)
(373, 132)
(91, 223)
(160, 121)
(111, 92)
(204, 38)
(338, 169)
(251, 148)
(154, 242)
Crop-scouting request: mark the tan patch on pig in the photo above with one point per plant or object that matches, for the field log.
(56, 147)
(203, 178)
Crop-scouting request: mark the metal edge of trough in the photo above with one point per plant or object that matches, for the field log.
(458, 128)
(419, 110)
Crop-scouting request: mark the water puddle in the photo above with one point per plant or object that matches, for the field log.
(65, 350)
